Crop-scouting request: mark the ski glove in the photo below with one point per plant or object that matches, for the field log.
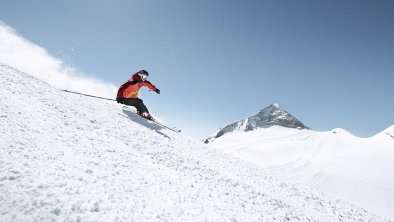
(157, 91)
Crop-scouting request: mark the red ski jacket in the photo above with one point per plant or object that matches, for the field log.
(131, 91)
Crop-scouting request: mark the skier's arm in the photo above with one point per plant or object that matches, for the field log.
(150, 86)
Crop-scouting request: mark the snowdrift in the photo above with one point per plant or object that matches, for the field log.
(64, 157)
(358, 170)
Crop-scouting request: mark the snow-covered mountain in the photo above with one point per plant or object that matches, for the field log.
(269, 116)
(387, 134)
(65, 157)
(358, 170)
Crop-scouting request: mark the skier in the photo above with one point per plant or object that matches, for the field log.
(128, 92)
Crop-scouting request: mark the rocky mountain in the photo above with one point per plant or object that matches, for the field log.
(271, 115)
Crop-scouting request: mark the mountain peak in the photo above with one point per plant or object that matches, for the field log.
(271, 115)
(274, 114)
(274, 105)
(272, 109)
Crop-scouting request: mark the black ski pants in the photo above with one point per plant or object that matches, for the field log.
(137, 103)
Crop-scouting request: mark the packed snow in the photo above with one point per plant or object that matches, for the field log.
(358, 170)
(65, 157)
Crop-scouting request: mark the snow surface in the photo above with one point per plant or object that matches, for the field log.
(65, 157)
(358, 170)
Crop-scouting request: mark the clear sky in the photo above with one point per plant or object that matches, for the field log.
(329, 63)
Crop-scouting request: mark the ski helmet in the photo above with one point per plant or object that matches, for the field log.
(143, 74)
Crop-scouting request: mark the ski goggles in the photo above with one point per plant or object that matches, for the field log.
(143, 76)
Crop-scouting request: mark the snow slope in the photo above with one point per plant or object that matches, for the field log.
(65, 157)
(358, 170)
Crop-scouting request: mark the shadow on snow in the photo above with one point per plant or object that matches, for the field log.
(132, 115)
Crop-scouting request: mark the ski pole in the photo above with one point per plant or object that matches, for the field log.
(98, 97)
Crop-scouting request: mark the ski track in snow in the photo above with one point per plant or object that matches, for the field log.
(358, 170)
(66, 157)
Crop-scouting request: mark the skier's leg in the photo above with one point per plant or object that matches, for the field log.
(141, 106)
(137, 103)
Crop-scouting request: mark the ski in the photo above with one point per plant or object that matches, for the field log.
(164, 126)
(174, 129)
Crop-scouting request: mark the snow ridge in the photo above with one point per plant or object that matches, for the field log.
(389, 131)
(64, 157)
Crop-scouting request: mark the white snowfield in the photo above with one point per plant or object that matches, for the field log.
(65, 157)
(358, 170)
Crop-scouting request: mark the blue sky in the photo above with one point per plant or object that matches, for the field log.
(329, 63)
